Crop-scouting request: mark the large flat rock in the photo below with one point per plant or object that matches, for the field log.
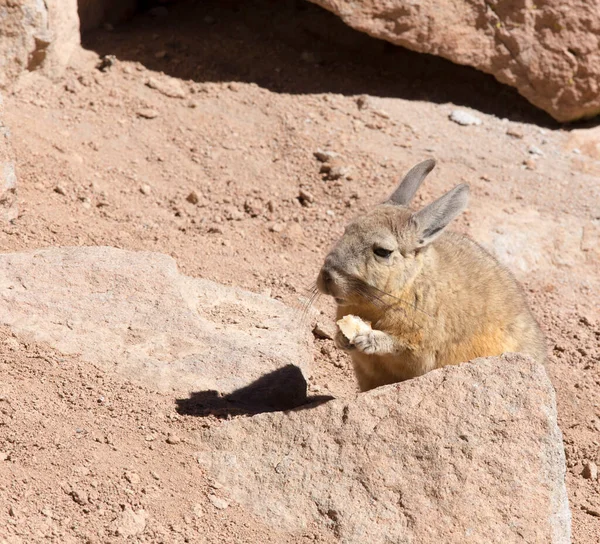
(470, 453)
(135, 313)
(549, 51)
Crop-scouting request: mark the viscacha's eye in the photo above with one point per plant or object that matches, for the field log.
(382, 252)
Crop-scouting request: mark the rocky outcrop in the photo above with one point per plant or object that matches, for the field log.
(549, 51)
(470, 453)
(8, 177)
(37, 36)
(134, 313)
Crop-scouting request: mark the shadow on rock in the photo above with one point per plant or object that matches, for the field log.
(282, 389)
(295, 47)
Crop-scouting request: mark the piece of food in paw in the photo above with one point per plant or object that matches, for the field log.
(352, 325)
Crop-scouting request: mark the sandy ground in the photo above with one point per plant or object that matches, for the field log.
(197, 142)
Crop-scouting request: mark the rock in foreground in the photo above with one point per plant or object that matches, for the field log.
(549, 51)
(470, 453)
(133, 312)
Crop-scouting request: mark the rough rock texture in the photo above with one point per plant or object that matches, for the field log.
(470, 453)
(134, 312)
(8, 178)
(549, 51)
(36, 35)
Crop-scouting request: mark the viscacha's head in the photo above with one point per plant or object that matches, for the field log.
(378, 251)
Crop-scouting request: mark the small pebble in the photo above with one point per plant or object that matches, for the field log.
(60, 190)
(305, 197)
(514, 133)
(173, 439)
(325, 156)
(218, 502)
(132, 478)
(193, 197)
(464, 118)
(533, 150)
(322, 332)
(276, 227)
(147, 113)
(590, 471)
(145, 189)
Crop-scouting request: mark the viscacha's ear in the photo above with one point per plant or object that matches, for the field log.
(411, 182)
(433, 219)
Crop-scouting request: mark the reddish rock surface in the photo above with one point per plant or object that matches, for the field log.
(549, 51)
(466, 453)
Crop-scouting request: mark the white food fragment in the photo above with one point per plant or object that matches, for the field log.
(352, 325)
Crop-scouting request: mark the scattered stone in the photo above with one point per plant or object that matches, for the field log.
(145, 189)
(106, 62)
(198, 510)
(147, 113)
(590, 471)
(12, 511)
(231, 213)
(325, 156)
(193, 197)
(451, 439)
(586, 320)
(218, 502)
(155, 475)
(305, 197)
(530, 164)
(79, 496)
(47, 512)
(277, 227)
(171, 87)
(173, 439)
(515, 133)
(592, 511)
(464, 118)
(132, 477)
(324, 331)
(533, 150)
(4, 456)
(60, 190)
(130, 522)
(363, 102)
(335, 169)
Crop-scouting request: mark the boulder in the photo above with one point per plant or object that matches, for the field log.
(549, 51)
(135, 313)
(470, 453)
(8, 178)
(37, 35)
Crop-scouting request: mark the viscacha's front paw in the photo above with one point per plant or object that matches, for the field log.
(367, 343)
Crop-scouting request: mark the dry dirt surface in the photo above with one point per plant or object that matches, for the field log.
(198, 140)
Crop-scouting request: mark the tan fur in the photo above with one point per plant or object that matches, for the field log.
(446, 303)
